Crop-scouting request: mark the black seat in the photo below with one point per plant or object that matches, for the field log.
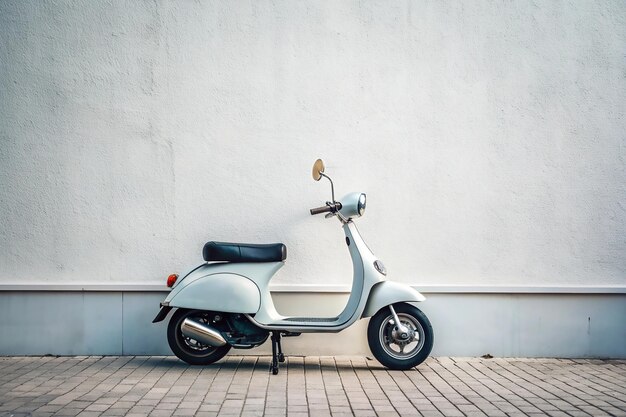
(244, 252)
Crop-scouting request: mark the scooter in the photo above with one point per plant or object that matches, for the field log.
(225, 302)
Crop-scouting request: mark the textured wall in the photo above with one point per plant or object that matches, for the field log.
(490, 137)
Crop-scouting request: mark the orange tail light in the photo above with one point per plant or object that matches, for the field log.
(171, 280)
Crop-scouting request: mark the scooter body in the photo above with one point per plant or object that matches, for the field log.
(226, 302)
(245, 288)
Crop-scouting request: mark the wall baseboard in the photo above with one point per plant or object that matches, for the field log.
(113, 322)
(324, 288)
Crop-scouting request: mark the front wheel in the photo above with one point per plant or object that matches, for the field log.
(189, 350)
(390, 348)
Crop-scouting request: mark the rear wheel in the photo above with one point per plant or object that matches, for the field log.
(389, 347)
(189, 350)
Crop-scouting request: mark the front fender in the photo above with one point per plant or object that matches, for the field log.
(388, 292)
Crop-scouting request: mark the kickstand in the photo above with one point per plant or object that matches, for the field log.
(277, 352)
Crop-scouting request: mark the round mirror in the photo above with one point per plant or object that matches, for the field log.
(318, 169)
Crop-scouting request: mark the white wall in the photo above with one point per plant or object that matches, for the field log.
(490, 137)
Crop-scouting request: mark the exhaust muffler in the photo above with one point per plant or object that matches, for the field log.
(202, 333)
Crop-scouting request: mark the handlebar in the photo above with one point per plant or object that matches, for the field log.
(320, 210)
(328, 208)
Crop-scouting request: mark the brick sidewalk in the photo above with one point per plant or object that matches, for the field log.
(316, 386)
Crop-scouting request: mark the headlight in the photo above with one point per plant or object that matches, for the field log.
(353, 205)
(361, 206)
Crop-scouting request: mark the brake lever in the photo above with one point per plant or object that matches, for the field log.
(329, 215)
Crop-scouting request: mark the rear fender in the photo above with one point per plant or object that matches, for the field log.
(388, 292)
(224, 292)
(162, 314)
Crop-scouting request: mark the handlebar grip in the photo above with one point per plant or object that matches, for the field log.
(320, 210)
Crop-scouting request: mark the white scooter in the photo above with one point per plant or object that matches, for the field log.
(226, 303)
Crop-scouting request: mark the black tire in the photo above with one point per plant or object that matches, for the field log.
(379, 337)
(192, 352)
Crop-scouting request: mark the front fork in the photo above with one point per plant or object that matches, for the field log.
(403, 331)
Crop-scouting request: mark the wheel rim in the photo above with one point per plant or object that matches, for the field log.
(393, 345)
(189, 345)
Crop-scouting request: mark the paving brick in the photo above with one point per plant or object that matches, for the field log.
(311, 386)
